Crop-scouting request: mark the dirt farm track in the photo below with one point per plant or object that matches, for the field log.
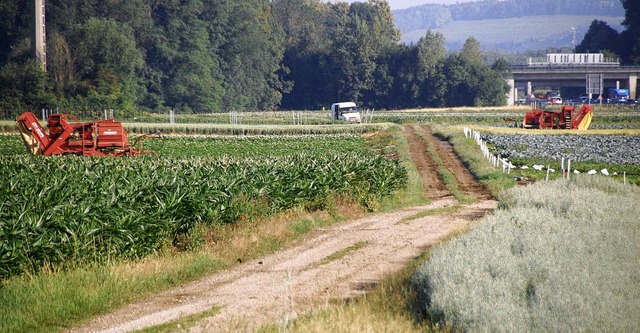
(282, 285)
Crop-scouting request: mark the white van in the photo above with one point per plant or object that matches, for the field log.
(347, 111)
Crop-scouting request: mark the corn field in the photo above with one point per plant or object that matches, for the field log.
(67, 210)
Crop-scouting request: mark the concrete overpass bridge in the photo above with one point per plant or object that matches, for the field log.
(526, 77)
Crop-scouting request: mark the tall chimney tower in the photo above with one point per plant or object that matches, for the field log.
(38, 37)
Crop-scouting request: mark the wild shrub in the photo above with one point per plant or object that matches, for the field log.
(557, 256)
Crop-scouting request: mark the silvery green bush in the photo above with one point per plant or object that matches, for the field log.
(555, 256)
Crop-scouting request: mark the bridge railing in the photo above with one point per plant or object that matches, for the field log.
(573, 67)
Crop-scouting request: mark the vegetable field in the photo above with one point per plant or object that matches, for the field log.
(556, 256)
(69, 210)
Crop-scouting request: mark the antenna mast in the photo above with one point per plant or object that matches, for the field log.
(38, 37)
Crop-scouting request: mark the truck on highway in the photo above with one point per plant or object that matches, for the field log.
(618, 95)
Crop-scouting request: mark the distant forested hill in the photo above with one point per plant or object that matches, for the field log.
(434, 16)
(512, 25)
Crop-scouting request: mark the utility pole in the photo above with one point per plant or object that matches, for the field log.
(38, 34)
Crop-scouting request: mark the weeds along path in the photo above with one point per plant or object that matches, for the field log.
(336, 262)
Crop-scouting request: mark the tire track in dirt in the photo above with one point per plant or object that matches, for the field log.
(467, 182)
(427, 168)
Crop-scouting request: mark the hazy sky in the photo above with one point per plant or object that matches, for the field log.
(401, 4)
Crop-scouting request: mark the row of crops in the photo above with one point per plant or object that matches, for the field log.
(614, 149)
(66, 210)
(319, 122)
(614, 155)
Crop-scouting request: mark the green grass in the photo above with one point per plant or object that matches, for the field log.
(620, 172)
(181, 325)
(54, 300)
(431, 212)
(343, 253)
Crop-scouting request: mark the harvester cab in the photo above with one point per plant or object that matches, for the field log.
(566, 118)
(100, 138)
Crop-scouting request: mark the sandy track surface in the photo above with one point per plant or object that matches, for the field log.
(278, 287)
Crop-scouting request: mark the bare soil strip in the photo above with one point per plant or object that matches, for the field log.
(427, 167)
(303, 277)
(467, 182)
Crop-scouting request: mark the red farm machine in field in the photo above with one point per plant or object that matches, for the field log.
(565, 118)
(99, 138)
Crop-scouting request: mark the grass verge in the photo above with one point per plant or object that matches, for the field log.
(180, 325)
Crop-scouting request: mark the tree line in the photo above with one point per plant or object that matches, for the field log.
(223, 55)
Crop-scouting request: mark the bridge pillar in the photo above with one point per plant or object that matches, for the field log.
(512, 94)
(633, 82)
(529, 89)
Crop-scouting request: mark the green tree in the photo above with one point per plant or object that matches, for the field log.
(14, 25)
(430, 54)
(630, 41)
(501, 65)
(466, 82)
(384, 39)
(106, 54)
(60, 63)
(184, 67)
(599, 38)
(23, 87)
(361, 37)
(252, 55)
(471, 50)
(306, 43)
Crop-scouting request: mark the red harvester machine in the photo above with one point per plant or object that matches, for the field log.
(99, 138)
(563, 119)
